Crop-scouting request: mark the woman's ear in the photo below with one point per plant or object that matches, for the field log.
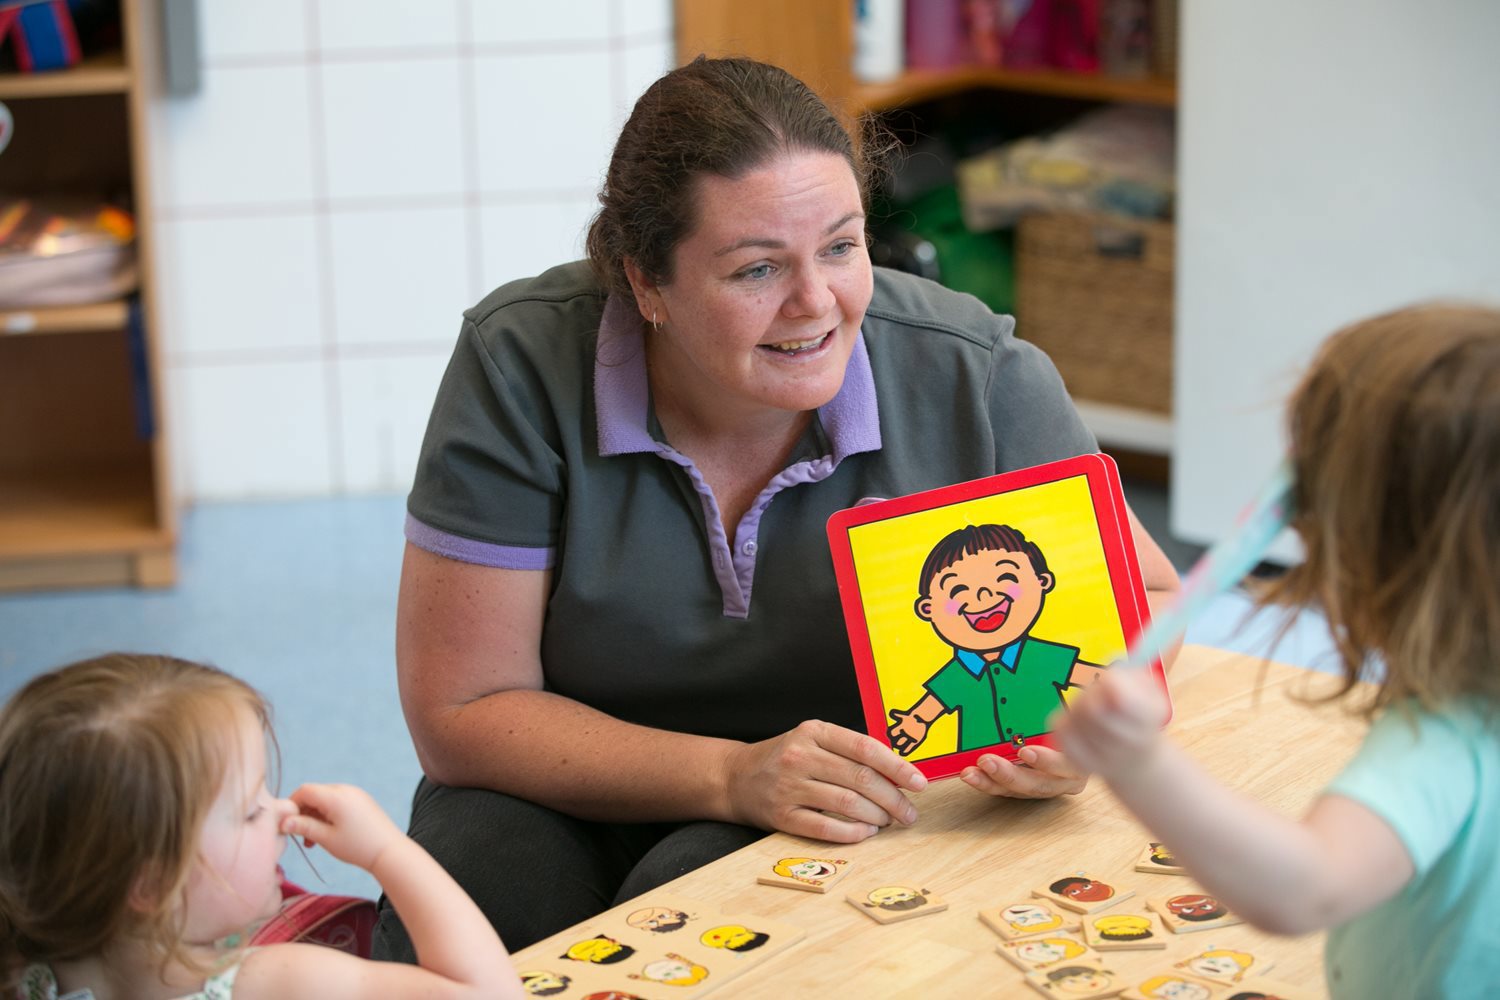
(647, 296)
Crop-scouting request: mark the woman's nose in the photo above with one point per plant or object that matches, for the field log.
(810, 296)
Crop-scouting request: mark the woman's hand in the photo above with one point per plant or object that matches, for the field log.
(345, 820)
(1042, 773)
(821, 781)
(1114, 724)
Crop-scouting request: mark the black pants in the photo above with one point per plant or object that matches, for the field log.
(534, 871)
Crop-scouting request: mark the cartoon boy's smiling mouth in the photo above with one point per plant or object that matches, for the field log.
(991, 618)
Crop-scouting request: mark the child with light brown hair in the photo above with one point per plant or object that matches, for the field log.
(1395, 448)
(138, 840)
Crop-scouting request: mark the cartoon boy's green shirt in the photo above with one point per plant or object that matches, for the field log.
(1012, 696)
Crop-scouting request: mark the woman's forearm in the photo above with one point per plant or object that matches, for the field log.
(559, 753)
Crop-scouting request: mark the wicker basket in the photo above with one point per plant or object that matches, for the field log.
(1095, 293)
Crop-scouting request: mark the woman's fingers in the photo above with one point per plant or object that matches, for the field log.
(824, 781)
(1042, 773)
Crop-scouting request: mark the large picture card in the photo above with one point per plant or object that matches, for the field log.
(975, 611)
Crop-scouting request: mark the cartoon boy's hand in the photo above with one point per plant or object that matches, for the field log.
(907, 731)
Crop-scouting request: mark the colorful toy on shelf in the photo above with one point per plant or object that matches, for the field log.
(41, 33)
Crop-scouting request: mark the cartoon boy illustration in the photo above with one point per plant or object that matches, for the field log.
(982, 589)
(1123, 927)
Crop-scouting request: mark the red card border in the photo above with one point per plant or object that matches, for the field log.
(1103, 479)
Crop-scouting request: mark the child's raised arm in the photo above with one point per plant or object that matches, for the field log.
(460, 954)
(1283, 875)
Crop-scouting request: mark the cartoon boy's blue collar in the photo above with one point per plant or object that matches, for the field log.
(975, 664)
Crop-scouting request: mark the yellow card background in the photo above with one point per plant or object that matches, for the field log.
(1080, 610)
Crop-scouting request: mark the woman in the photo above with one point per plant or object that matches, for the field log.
(620, 647)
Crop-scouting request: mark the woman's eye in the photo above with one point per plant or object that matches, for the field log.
(842, 248)
(757, 272)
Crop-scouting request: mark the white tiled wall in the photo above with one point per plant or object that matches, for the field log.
(350, 177)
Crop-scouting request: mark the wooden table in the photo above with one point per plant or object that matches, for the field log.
(1238, 715)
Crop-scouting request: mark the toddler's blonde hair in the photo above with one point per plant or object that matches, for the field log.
(108, 768)
(1395, 446)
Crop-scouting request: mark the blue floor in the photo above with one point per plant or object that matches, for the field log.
(299, 599)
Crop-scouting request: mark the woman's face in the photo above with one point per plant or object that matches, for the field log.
(767, 293)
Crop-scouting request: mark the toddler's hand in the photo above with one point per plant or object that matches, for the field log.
(344, 819)
(1114, 723)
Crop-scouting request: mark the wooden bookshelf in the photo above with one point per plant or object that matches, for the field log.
(915, 86)
(102, 74)
(65, 319)
(85, 494)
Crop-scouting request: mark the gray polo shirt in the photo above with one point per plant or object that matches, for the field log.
(543, 452)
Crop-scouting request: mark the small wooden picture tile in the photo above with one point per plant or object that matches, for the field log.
(1123, 932)
(1225, 965)
(807, 874)
(1260, 986)
(1028, 919)
(1082, 892)
(886, 904)
(1085, 979)
(1158, 858)
(1187, 912)
(1172, 985)
(1031, 954)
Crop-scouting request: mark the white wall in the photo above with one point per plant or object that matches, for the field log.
(352, 175)
(1337, 159)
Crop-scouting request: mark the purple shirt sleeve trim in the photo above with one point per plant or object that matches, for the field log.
(467, 550)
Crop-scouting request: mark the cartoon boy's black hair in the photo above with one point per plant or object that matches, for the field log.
(974, 538)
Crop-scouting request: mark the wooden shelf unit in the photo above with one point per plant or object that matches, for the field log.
(821, 53)
(84, 485)
(915, 86)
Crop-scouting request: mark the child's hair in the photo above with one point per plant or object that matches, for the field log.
(1395, 447)
(108, 768)
(972, 539)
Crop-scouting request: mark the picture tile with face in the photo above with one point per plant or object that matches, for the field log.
(1192, 911)
(1225, 965)
(1172, 985)
(1082, 892)
(1158, 859)
(807, 874)
(1123, 932)
(886, 904)
(1080, 980)
(1014, 921)
(1035, 953)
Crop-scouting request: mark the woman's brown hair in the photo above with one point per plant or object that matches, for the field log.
(723, 117)
(107, 770)
(1395, 446)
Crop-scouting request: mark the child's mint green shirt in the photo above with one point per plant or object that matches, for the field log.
(1435, 778)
